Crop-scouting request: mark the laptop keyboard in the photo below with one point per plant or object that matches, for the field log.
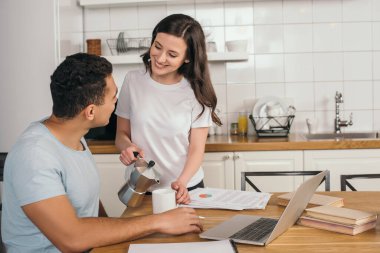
(256, 230)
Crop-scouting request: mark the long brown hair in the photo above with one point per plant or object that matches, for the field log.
(196, 71)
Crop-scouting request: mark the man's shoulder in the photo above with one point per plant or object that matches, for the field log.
(33, 141)
(35, 132)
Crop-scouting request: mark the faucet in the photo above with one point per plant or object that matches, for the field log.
(338, 122)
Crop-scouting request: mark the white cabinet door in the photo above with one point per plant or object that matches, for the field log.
(111, 172)
(219, 170)
(269, 161)
(353, 161)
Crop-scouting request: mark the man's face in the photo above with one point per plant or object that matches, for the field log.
(105, 110)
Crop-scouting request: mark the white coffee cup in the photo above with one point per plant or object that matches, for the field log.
(163, 200)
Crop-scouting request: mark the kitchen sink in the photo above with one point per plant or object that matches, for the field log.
(332, 136)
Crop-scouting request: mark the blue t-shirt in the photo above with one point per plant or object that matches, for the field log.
(40, 167)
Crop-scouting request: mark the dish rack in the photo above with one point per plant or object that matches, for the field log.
(278, 126)
(121, 46)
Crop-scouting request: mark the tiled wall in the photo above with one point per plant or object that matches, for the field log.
(301, 49)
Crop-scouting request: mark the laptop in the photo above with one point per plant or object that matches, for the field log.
(257, 230)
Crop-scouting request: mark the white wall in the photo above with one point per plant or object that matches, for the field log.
(303, 49)
(27, 59)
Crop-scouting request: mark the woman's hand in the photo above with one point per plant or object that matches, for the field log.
(127, 157)
(182, 195)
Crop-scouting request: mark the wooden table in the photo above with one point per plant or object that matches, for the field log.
(296, 239)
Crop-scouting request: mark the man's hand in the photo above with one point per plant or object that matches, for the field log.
(179, 221)
(182, 195)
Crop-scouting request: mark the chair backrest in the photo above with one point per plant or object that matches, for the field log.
(345, 183)
(245, 180)
(2, 162)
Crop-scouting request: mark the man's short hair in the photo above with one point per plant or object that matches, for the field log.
(78, 82)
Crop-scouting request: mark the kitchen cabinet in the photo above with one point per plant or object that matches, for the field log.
(353, 161)
(269, 161)
(223, 169)
(338, 162)
(111, 173)
(219, 170)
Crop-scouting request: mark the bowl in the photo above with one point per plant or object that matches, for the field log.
(236, 45)
(211, 46)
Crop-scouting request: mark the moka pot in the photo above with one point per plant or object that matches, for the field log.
(141, 178)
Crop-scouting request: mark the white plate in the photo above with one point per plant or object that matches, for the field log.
(270, 107)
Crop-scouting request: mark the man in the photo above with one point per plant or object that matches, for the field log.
(51, 185)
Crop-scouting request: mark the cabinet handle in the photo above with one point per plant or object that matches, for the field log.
(236, 157)
(226, 157)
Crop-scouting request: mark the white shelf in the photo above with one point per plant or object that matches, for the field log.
(108, 3)
(124, 59)
(228, 56)
(103, 3)
(136, 59)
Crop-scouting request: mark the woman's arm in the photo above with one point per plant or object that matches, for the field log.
(123, 142)
(198, 137)
(123, 133)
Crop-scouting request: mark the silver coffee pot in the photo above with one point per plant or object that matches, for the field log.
(142, 177)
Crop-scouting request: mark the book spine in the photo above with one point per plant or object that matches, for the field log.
(326, 226)
(331, 218)
(339, 228)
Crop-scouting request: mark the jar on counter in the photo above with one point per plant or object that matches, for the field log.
(94, 46)
(234, 128)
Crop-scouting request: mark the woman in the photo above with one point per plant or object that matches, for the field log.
(165, 110)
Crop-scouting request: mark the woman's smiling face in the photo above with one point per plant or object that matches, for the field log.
(167, 55)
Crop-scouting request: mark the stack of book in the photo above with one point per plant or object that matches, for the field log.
(316, 200)
(338, 219)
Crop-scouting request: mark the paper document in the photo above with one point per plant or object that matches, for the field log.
(223, 246)
(227, 199)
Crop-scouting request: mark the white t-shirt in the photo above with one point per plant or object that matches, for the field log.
(161, 118)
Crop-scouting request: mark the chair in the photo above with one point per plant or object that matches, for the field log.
(344, 180)
(245, 175)
(2, 162)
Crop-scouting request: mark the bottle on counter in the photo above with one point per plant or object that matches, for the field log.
(242, 123)
(234, 128)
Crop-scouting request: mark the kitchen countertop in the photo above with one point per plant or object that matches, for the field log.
(226, 143)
